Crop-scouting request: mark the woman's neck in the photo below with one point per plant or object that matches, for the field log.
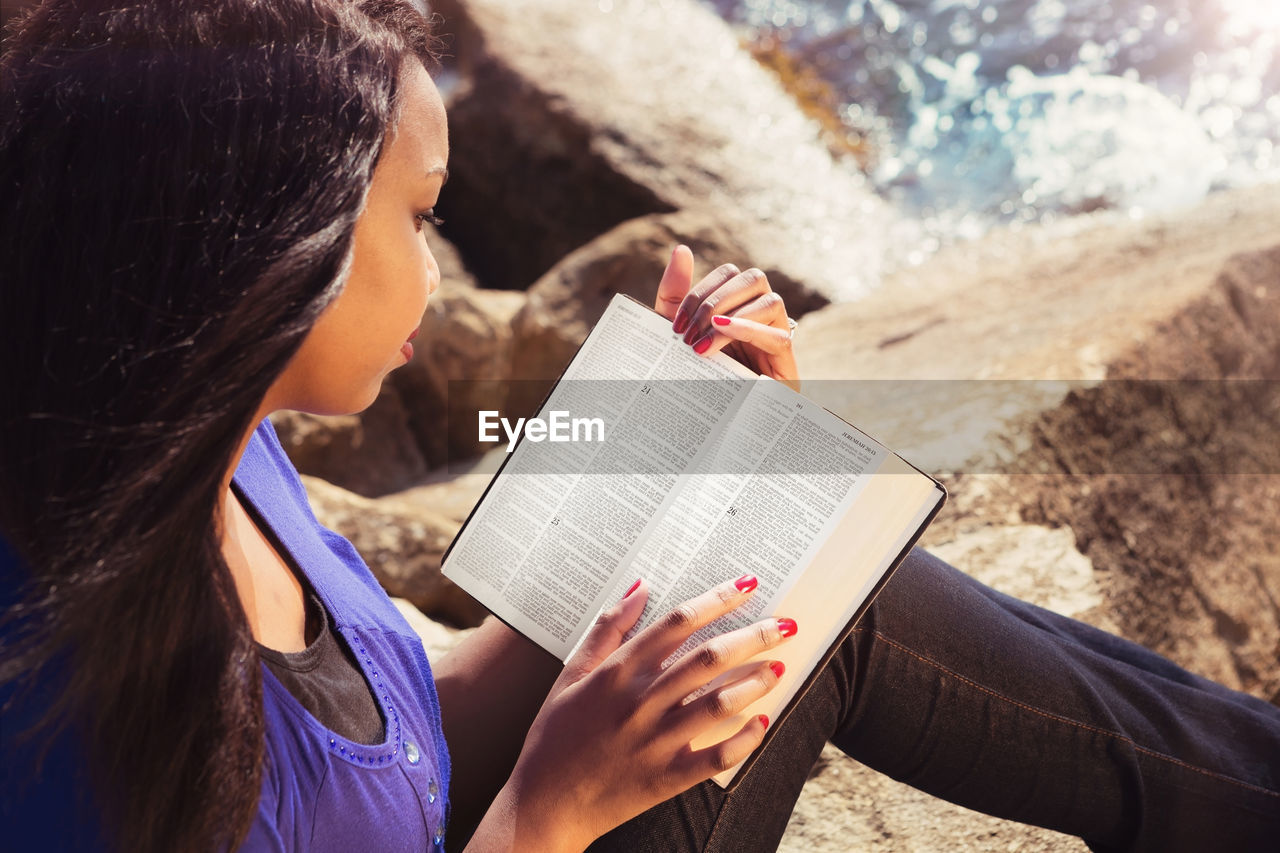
(270, 593)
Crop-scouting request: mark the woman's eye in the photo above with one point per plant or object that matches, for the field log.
(429, 216)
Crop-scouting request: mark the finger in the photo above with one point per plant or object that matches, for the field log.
(726, 329)
(717, 655)
(655, 643)
(732, 294)
(769, 309)
(698, 293)
(726, 700)
(675, 283)
(700, 764)
(608, 632)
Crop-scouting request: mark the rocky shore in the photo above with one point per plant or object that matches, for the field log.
(1018, 368)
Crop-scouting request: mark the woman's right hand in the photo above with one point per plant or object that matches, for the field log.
(614, 735)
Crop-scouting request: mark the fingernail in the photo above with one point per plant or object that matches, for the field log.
(777, 668)
(746, 583)
(703, 344)
(719, 320)
(681, 321)
(764, 721)
(634, 587)
(787, 627)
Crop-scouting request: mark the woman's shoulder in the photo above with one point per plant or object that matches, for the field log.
(273, 488)
(266, 471)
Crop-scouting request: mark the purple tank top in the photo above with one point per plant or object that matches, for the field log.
(320, 791)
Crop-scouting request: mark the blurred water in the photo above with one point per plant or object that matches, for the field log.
(1016, 111)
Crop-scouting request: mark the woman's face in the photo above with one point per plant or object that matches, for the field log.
(361, 336)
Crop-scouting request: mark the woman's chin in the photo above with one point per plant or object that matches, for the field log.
(333, 404)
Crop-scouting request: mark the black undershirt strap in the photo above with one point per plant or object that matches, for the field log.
(326, 680)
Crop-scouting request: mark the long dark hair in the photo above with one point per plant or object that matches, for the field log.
(179, 183)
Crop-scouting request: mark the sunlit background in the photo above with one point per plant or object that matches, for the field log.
(1016, 111)
(966, 114)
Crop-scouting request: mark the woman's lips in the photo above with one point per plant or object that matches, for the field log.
(406, 348)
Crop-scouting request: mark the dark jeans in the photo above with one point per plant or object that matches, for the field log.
(1008, 709)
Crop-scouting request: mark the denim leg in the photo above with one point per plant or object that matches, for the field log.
(1011, 710)
(1018, 712)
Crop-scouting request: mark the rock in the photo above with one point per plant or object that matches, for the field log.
(453, 490)
(402, 543)
(846, 806)
(371, 453)
(1145, 474)
(461, 364)
(1064, 307)
(1176, 481)
(1037, 564)
(453, 272)
(565, 303)
(571, 118)
(437, 639)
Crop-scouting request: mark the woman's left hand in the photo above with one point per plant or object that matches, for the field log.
(730, 310)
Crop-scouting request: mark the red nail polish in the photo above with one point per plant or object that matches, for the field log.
(720, 321)
(764, 721)
(634, 587)
(681, 321)
(703, 344)
(746, 583)
(787, 627)
(777, 668)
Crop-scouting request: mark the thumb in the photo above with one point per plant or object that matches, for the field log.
(676, 281)
(607, 634)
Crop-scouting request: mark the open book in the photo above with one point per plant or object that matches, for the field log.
(687, 471)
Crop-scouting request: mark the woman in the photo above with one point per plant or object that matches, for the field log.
(215, 212)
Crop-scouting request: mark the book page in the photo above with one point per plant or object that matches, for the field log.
(541, 548)
(886, 515)
(760, 500)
